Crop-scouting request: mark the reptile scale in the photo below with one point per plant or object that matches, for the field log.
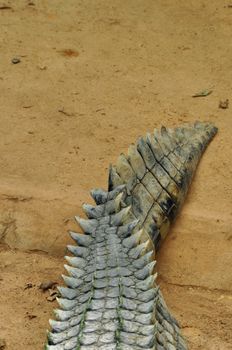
(111, 300)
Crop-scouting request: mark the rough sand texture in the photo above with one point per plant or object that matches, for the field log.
(93, 76)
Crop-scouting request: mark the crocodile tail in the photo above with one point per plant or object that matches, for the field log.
(111, 300)
(157, 172)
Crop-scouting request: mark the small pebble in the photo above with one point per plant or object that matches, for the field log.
(53, 292)
(52, 298)
(15, 60)
(224, 104)
(28, 286)
(47, 285)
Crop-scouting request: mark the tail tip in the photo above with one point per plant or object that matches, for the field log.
(209, 128)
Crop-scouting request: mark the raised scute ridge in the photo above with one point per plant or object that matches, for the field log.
(111, 300)
(157, 172)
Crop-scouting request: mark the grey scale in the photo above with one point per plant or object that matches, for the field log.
(111, 300)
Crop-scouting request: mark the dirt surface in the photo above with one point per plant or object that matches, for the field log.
(92, 77)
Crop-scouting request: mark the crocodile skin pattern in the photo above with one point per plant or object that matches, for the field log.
(111, 299)
(157, 172)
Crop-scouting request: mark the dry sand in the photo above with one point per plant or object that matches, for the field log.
(92, 77)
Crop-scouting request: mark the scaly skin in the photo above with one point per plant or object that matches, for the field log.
(112, 300)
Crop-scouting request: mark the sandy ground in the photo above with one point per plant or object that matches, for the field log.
(92, 77)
